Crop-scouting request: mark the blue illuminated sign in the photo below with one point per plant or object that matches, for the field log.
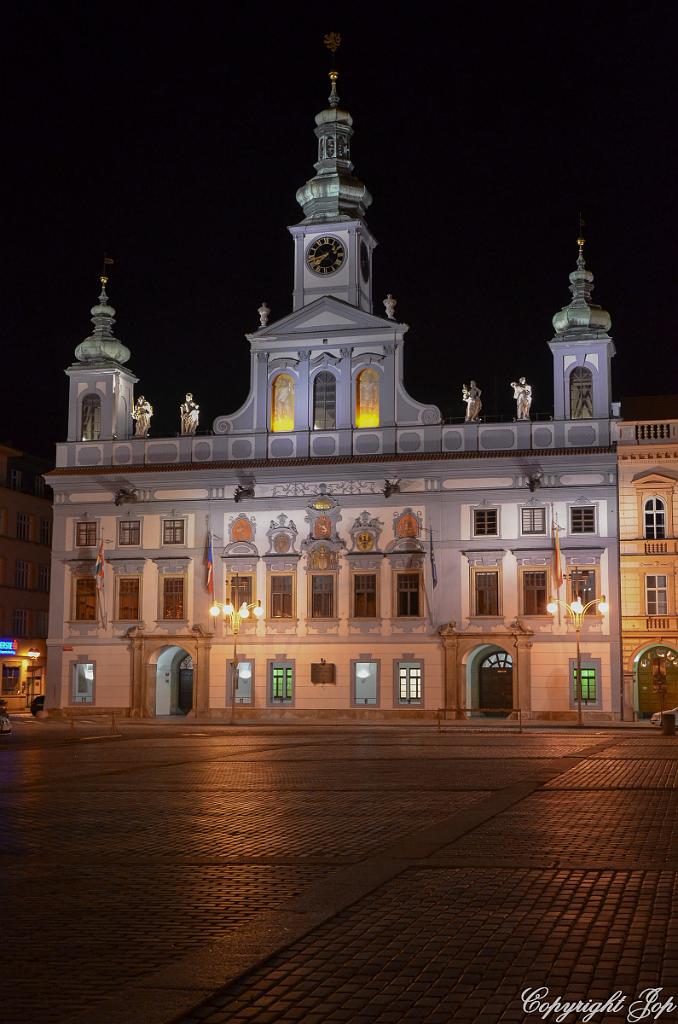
(7, 647)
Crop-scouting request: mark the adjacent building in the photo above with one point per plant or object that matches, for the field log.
(647, 451)
(402, 565)
(25, 556)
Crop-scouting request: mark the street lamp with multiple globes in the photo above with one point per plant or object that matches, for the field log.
(576, 610)
(234, 617)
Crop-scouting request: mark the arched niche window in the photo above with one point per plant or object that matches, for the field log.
(367, 398)
(654, 517)
(282, 403)
(324, 401)
(90, 418)
(581, 393)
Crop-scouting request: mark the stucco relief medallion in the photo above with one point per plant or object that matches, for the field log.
(282, 544)
(407, 526)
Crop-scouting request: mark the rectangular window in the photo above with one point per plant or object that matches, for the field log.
(20, 622)
(656, 595)
(129, 532)
(409, 682)
(21, 574)
(281, 596)
(85, 599)
(583, 520)
(43, 578)
(22, 526)
(173, 597)
(588, 683)
(533, 521)
(534, 593)
(15, 479)
(45, 531)
(240, 590)
(407, 594)
(282, 682)
(486, 593)
(365, 688)
(244, 680)
(11, 678)
(128, 598)
(322, 597)
(85, 535)
(583, 585)
(365, 595)
(83, 683)
(42, 625)
(39, 486)
(485, 522)
(173, 531)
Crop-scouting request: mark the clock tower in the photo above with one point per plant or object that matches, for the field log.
(333, 245)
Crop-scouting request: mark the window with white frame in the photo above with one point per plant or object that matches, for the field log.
(83, 674)
(485, 592)
(533, 521)
(583, 519)
(409, 682)
(244, 682)
(485, 522)
(281, 682)
(23, 525)
(85, 534)
(173, 531)
(656, 595)
(129, 532)
(654, 519)
(21, 574)
(281, 603)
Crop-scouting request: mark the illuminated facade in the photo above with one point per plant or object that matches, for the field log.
(648, 503)
(339, 502)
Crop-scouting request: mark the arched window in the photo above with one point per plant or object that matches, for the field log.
(367, 398)
(655, 519)
(325, 402)
(91, 418)
(581, 393)
(282, 403)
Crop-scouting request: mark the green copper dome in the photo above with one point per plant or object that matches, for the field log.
(102, 345)
(581, 317)
(334, 194)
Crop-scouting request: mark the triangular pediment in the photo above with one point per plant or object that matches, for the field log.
(325, 315)
(655, 477)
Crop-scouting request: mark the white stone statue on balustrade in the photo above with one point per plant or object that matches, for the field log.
(522, 392)
(141, 414)
(471, 395)
(190, 411)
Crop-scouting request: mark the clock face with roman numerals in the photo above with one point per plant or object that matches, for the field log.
(325, 255)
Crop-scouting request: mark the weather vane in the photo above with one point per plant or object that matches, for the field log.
(580, 236)
(103, 276)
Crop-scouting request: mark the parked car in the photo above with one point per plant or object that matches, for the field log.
(37, 704)
(657, 716)
(5, 724)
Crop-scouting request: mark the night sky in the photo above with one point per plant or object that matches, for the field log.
(175, 142)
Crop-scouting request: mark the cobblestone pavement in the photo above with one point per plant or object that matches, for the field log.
(230, 875)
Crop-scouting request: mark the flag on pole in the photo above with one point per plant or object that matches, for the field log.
(209, 562)
(434, 571)
(99, 566)
(558, 574)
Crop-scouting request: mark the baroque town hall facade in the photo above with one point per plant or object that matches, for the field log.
(394, 565)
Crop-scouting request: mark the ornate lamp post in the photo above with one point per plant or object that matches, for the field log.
(234, 617)
(576, 610)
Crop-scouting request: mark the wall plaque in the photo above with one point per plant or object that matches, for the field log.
(322, 673)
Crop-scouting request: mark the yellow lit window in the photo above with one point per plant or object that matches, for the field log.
(282, 403)
(367, 398)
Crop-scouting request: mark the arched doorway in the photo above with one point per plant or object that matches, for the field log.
(490, 681)
(656, 669)
(174, 682)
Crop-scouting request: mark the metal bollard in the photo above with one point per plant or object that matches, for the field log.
(668, 724)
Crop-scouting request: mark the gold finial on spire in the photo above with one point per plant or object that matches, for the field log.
(332, 41)
(581, 240)
(103, 276)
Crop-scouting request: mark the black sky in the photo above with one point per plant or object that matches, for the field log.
(176, 142)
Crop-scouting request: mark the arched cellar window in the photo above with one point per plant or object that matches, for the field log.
(282, 403)
(581, 393)
(91, 418)
(655, 519)
(324, 402)
(367, 398)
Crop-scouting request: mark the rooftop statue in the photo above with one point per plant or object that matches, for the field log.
(471, 395)
(522, 392)
(141, 414)
(190, 411)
